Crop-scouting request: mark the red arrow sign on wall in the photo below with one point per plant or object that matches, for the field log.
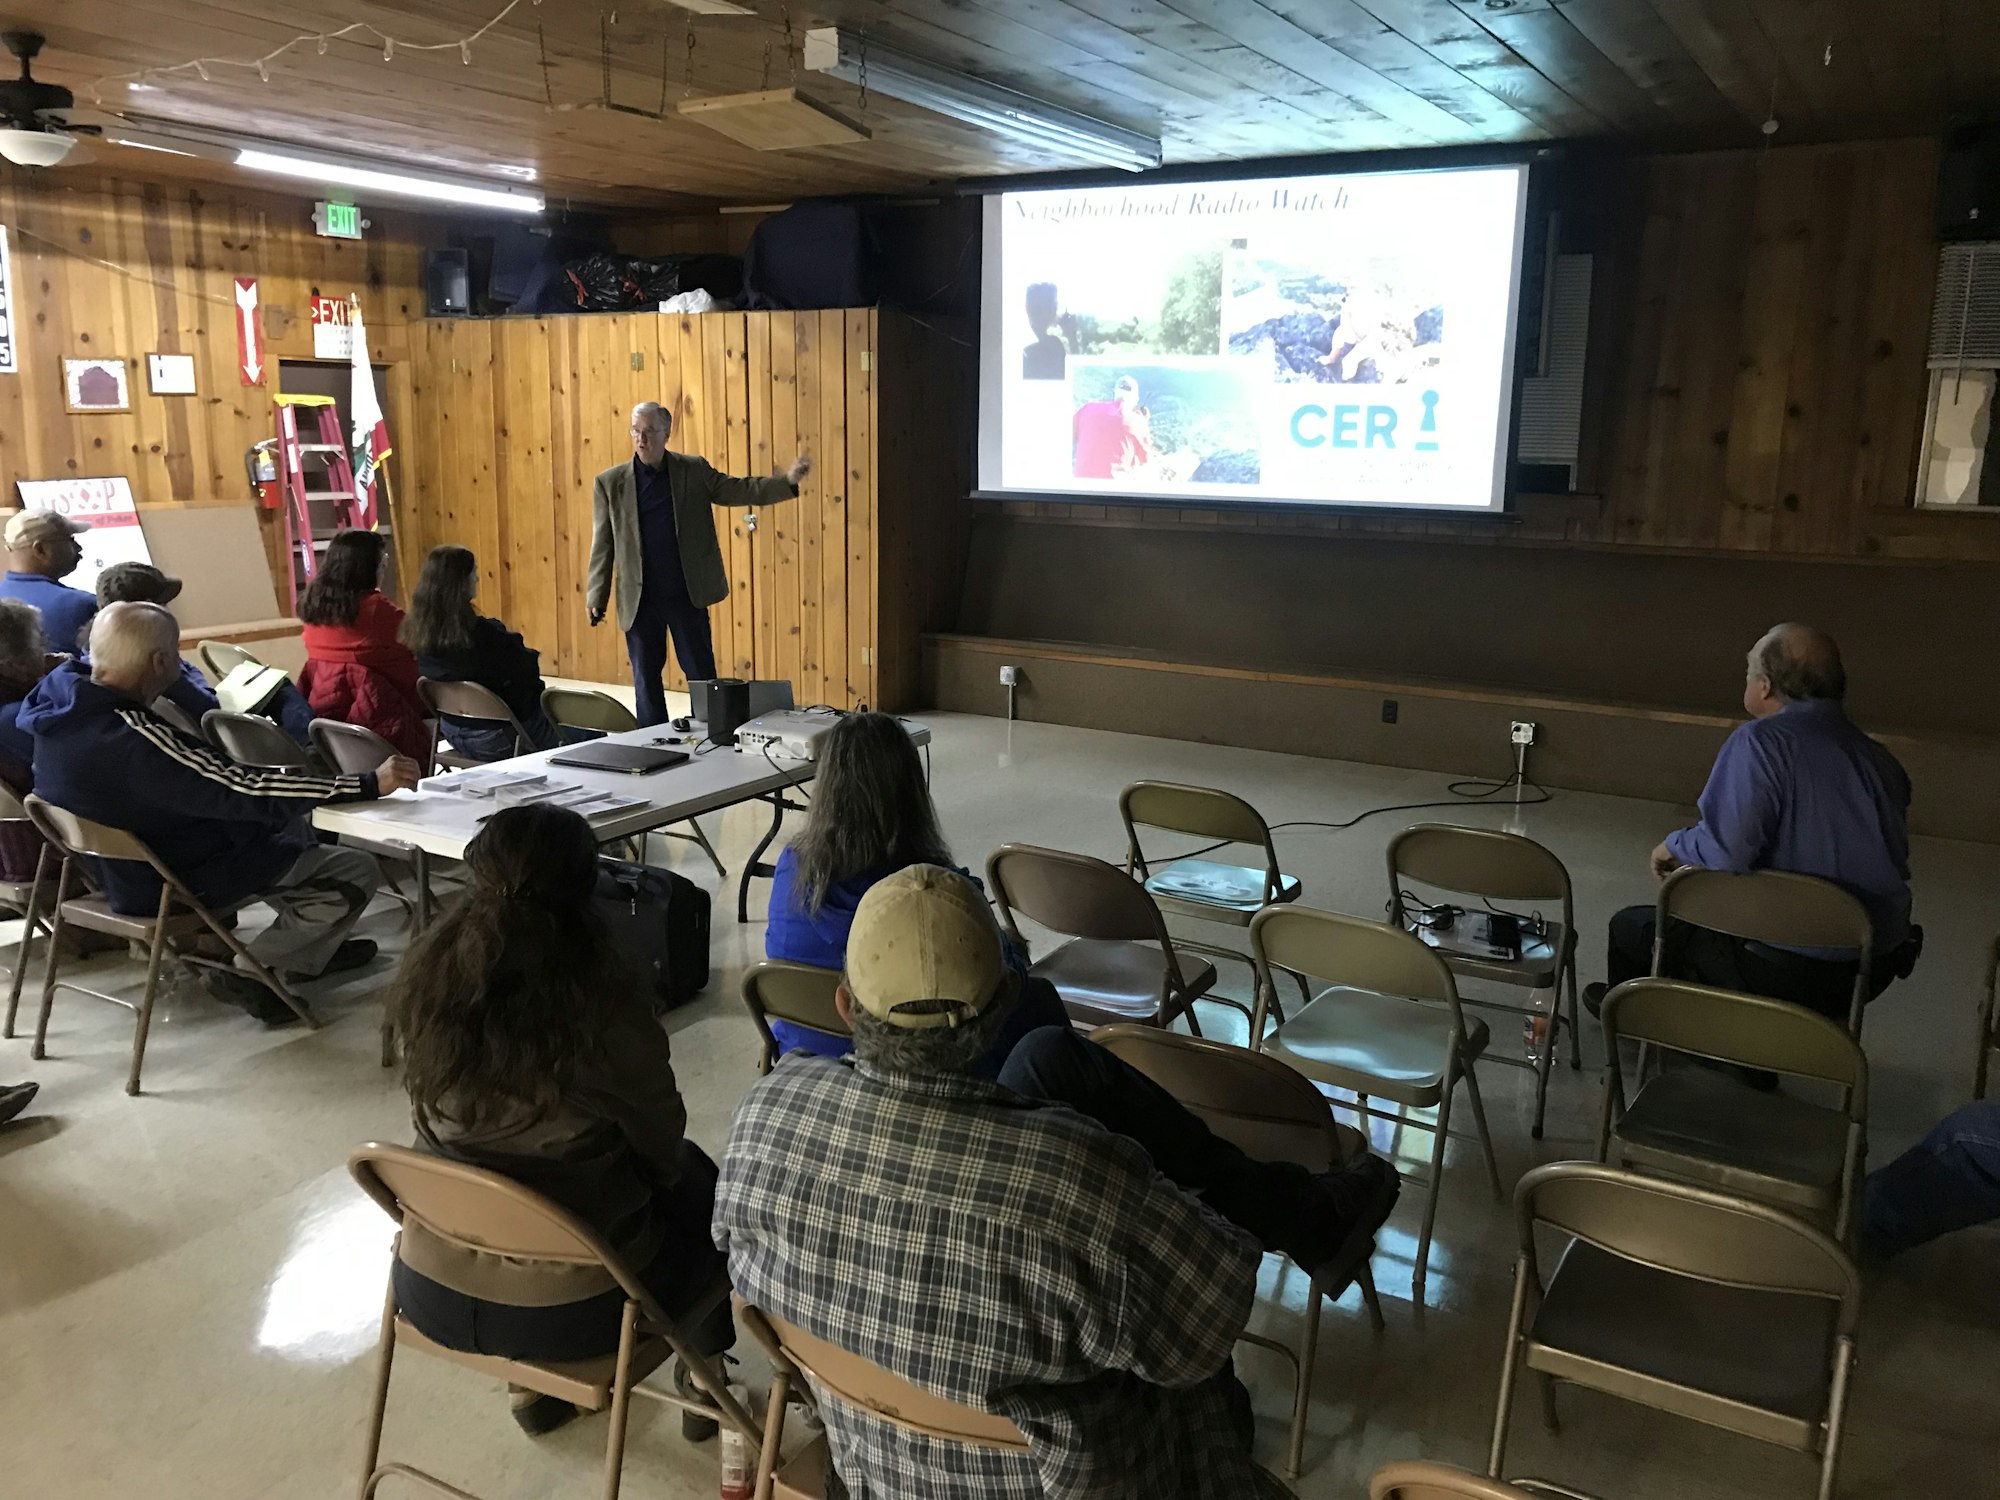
(249, 335)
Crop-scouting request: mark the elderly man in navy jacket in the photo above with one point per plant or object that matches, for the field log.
(229, 832)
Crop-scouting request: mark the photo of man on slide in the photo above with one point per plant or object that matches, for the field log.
(1111, 438)
(1047, 358)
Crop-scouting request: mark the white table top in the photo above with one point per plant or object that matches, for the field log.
(443, 824)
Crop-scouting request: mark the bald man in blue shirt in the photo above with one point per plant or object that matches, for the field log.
(1797, 788)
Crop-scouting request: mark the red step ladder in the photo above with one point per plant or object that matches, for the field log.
(300, 464)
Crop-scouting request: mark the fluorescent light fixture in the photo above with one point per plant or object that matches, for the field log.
(842, 54)
(374, 179)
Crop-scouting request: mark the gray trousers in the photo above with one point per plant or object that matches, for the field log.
(318, 901)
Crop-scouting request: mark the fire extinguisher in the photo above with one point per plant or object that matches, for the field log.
(261, 464)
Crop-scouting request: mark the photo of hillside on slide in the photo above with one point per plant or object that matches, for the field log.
(1371, 324)
(1163, 424)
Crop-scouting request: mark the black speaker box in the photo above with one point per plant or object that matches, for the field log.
(1968, 198)
(447, 283)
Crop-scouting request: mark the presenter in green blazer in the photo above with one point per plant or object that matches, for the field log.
(652, 526)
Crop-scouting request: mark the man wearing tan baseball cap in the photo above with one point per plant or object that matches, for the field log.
(41, 552)
(1042, 1262)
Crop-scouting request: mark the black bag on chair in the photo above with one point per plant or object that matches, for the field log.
(659, 922)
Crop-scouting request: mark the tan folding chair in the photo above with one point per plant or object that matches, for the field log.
(1509, 867)
(24, 896)
(1390, 1028)
(1416, 1480)
(1119, 964)
(1702, 1125)
(1686, 1300)
(1206, 890)
(485, 1222)
(251, 740)
(180, 718)
(219, 658)
(350, 749)
(797, 1355)
(1270, 1113)
(1989, 1036)
(353, 750)
(799, 994)
(1771, 906)
(181, 914)
(600, 713)
(466, 700)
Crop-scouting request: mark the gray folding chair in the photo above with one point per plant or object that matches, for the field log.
(598, 713)
(219, 658)
(1496, 866)
(252, 740)
(1703, 1125)
(28, 897)
(483, 1221)
(1708, 1307)
(798, 994)
(467, 700)
(1120, 963)
(1771, 906)
(181, 914)
(180, 718)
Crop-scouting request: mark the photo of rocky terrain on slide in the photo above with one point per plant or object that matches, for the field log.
(1365, 328)
(1163, 424)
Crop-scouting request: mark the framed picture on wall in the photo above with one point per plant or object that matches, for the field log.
(95, 385)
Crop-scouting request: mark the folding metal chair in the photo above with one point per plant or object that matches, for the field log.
(1416, 1480)
(1120, 963)
(181, 914)
(1270, 1113)
(799, 994)
(1391, 1027)
(1207, 890)
(180, 718)
(252, 740)
(797, 1356)
(1496, 866)
(1703, 1125)
(25, 896)
(219, 658)
(1692, 1302)
(466, 700)
(598, 713)
(1771, 906)
(484, 1217)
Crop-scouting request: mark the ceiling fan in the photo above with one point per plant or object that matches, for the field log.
(35, 127)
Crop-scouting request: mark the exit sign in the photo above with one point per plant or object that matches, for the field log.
(340, 221)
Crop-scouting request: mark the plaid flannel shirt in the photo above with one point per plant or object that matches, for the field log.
(1007, 1254)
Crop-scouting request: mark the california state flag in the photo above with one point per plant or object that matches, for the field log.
(368, 444)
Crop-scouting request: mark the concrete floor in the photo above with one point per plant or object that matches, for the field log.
(189, 1283)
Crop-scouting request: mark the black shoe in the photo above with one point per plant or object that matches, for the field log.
(536, 1415)
(14, 1099)
(694, 1427)
(251, 995)
(351, 954)
(1349, 1205)
(1593, 998)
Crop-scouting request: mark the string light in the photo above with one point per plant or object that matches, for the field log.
(360, 30)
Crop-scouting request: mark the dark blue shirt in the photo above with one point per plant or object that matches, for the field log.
(820, 938)
(1804, 790)
(660, 571)
(65, 611)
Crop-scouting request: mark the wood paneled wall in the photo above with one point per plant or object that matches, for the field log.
(514, 418)
(114, 269)
(1757, 366)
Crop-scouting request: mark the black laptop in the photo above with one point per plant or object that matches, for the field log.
(635, 760)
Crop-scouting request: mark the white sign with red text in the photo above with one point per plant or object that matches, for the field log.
(333, 328)
(105, 506)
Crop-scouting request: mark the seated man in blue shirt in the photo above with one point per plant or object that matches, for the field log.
(41, 552)
(1798, 788)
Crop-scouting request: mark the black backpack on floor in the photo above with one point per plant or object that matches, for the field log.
(659, 922)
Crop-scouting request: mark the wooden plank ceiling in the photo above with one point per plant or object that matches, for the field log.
(1219, 79)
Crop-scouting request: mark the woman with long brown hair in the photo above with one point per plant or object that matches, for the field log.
(528, 1049)
(453, 642)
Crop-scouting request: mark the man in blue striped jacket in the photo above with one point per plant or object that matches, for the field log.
(229, 832)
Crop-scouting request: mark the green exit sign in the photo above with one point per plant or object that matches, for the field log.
(340, 221)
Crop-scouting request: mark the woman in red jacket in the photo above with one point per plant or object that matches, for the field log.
(356, 670)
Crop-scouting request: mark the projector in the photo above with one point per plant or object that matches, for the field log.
(790, 732)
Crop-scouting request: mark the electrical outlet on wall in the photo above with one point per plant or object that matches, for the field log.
(1388, 710)
(1521, 732)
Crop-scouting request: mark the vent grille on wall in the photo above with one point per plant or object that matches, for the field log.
(1965, 316)
(1552, 403)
